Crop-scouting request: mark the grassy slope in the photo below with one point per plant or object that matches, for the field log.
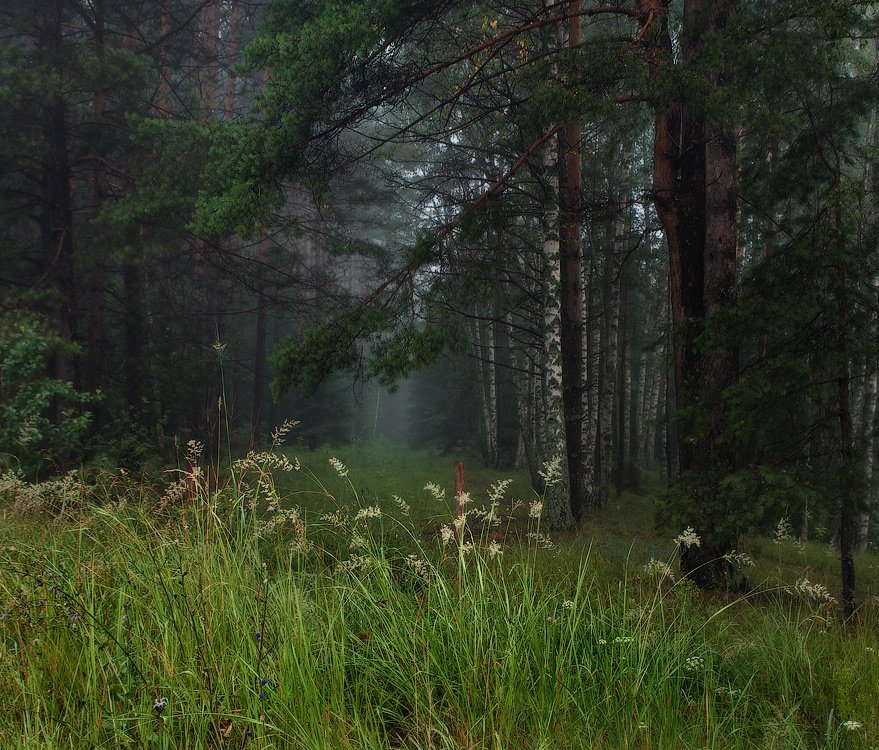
(255, 645)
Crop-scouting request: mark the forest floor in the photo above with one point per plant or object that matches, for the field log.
(318, 599)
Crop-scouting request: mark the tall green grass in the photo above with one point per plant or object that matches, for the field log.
(219, 616)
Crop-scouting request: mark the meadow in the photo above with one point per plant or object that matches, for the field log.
(309, 599)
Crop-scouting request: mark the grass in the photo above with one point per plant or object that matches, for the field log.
(218, 616)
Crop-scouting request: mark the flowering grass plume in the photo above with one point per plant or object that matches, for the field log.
(438, 493)
(687, 538)
(339, 628)
(815, 592)
(659, 569)
(739, 559)
(551, 473)
(340, 468)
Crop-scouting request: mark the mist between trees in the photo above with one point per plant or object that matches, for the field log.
(638, 237)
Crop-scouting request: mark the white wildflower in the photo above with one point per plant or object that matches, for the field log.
(401, 504)
(851, 725)
(296, 464)
(567, 604)
(535, 509)
(467, 548)
(688, 538)
(494, 550)
(463, 499)
(460, 522)
(624, 639)
(340, 468)
(694, 663)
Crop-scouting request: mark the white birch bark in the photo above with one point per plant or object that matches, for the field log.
(557, 500)
(491, 394)
(871, 383)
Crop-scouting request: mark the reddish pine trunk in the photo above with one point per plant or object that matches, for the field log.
(694, 190)
(571, 259)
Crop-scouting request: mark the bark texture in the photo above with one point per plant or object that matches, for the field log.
(694, 191)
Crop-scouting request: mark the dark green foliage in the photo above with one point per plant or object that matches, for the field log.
(318, 55)
(325, 414)
(803, 317)
(367, 340)
(444, 406)
(308, 361)
(42, 419)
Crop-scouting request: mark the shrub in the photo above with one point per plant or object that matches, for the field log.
(28, 434)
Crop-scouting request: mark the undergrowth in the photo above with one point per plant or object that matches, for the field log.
(211, 612)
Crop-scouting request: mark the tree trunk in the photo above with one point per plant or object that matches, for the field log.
(651, 411)
(486, 369)
(95, 345)
(624, 394)
(871, 383)
(592, 392)
(638, 360)
(523, 377)
(571, 281)
(56, 204)
(133, 284)
(558, 503)
(868, 442)
(260, 352)
(847, 500)
(694, 191)
(611, 316)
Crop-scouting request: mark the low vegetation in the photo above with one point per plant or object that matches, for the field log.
(280, 606)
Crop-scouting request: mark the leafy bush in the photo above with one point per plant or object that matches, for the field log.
(28, 434)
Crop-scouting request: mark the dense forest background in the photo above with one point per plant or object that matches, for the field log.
(624, 238)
